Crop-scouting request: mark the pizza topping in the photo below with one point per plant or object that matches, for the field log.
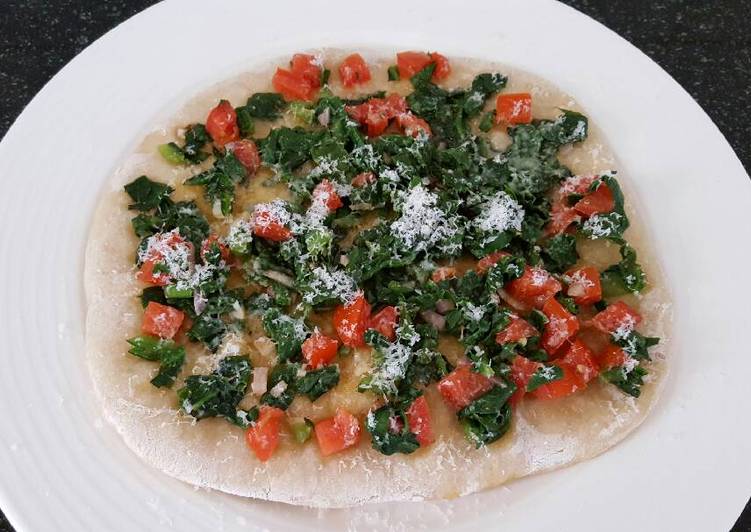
(363, 264)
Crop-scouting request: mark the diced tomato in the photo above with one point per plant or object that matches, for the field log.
(561, 326)
(611, 357)
(147, 274)
(568, 384)
(442, 66)
(487, 262)
(443, 273)
(561, 217)
(582, 360)
(418, 418)
(263, 436)
(325, 192)
(618, 318)
(351, 321)
(246, 152)
(354, 70)
(384, 321)
(266, 225)
(292, 86)
(166, 242)
(213, 239)
(601, 200)
(413, 125)
(376, 112)
(337, 433)
(319, 349)
(584, 285)
(534, 287)
(514, 108)
(522, 370)
(161, 320)
(307, 67)
(364, 179)
(410, 63)
(221, 124)
(519, 329)
(462, 386)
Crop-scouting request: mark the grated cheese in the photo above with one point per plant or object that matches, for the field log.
(422, 224)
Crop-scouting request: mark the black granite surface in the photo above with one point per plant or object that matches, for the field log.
(705, 45)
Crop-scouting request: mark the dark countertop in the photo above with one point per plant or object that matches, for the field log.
(705, 46)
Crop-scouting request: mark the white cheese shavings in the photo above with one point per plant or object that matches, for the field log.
(240, 234)
(422, 224)
(336, 282)
(500, 213)
(599, 226)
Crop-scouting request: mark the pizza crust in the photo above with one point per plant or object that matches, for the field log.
(213, 454)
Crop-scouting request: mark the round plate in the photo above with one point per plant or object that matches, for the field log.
(63, 468)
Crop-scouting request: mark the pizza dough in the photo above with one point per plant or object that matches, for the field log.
(212, 453)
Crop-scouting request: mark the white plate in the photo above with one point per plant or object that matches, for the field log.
(688, 467)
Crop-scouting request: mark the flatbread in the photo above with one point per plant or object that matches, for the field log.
(212, 453)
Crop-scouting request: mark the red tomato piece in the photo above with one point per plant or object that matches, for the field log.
(418, 418)
(487, 262)
(410, 63)
(561, 326)
(364, 179)
(221, 124)
(319, 349)
(582, 360)
(617, 318)
(534, 287)
(561, 217)
(325, 192)
(584, 285)
(246, 152)
(263, 436)
(611, 357)
(568, 384)
(307, 67)
(354, 70)
(384, 321)
(213, 239)
(337, 433)
(513, 108)
(376, 112)
(161, 320)
(519, 329)
(462, 386)
(267, 225)
(443, 273)
(576, 184)
(522, 370)
(442, 66)
(351, 321)
(413, 125)
(147, 274)
(601, 200)
(292, 86)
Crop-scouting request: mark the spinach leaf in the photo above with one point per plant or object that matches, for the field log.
(196, 137)
(287, 332)
(288, 147)
(544, 375)
(389, 431)
(316, 383)
(629, 382)
(281, 386)
(146, 194)
(626, 276)
(636, 345)
(265, 105)
(488, 417)
(219, 392)
(219, 182)
(560, 253)
(169, 355)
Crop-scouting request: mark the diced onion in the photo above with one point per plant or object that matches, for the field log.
(444, 305)
(260, 380)
(434, 319)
